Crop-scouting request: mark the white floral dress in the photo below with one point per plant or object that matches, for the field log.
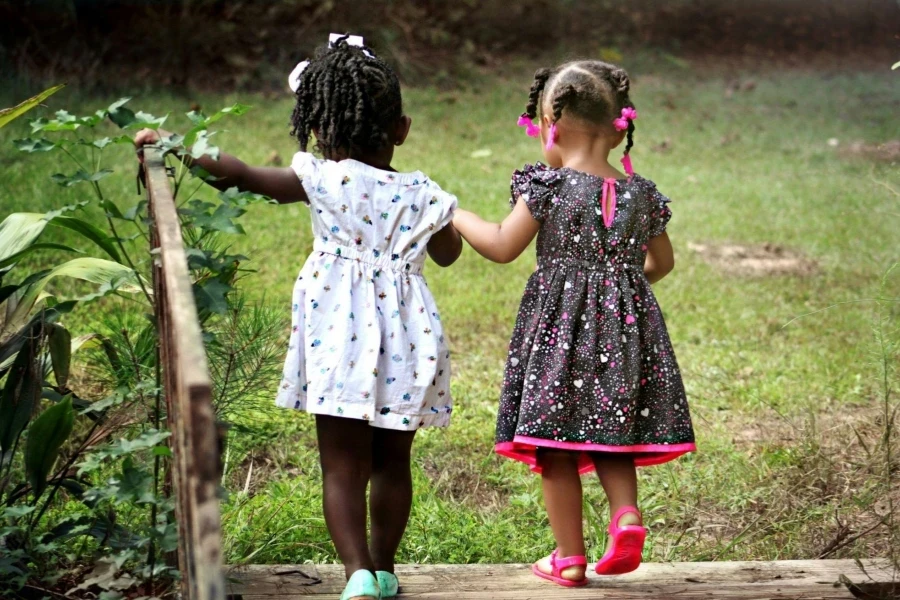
(366, 336)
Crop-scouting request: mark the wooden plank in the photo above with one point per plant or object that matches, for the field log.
(188, 393)
(807, 580)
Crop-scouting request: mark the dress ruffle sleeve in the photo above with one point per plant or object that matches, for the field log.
(536, 185)
(660, 212)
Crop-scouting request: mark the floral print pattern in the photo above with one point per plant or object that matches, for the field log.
(366, 337)
(590, 365)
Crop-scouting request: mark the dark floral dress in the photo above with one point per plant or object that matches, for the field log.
(590, 365)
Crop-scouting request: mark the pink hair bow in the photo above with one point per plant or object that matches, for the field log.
(530, 128)
(628, 114)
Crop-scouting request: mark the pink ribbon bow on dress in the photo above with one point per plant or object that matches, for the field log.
(608, 201)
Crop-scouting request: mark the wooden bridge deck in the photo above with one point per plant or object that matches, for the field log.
(782, 580)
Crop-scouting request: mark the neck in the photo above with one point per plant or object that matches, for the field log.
(379, 159)
(588, 151)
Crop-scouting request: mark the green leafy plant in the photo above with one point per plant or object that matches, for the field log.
(108, 453)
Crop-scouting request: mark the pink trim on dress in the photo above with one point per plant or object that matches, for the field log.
(524, 449)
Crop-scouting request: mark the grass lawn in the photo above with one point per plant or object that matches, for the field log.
(787, 412)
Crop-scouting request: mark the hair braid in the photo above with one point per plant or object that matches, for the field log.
(537, 88)
(629, 136)
(349, 97)
(590, 90)
(562, 96)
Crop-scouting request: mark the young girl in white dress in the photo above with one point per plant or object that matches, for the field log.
(367, 353)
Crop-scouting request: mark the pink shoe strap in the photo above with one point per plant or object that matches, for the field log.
(558, 564)
(614, 524)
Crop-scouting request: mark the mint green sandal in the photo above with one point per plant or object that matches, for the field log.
(388, 584)
(362, 584)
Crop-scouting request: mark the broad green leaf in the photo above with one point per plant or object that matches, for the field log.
(111, 209)
(202, 122)
(60, 343)
(135, 484)
(142, 119)
(221, 219)
(138, 209)
(12, 345)
(109, 275)
(20, 395)
(17, 512)
(234, 196)
(201, 147)
(91, 232)
(11, 260)
(210, 296)
(8, 114)
(120, 114)
(18, 231)
(104, 142)
(118, 104)
(80, 176)
(34, 145)
(45, 437)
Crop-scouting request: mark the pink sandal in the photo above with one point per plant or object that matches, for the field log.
(558, 565)
(624, 554)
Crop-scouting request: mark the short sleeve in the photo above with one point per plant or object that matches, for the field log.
(448, 208)
(310, 172)
(660, 213)
(536, 185)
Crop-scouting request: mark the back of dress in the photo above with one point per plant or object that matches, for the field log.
(591, 366)
(366, 338)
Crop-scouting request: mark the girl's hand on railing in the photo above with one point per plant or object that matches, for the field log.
(145, 137)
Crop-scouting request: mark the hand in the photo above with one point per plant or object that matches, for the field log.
(145, 137)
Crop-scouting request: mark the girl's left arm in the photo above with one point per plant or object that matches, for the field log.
(445, 246)
(498, 242)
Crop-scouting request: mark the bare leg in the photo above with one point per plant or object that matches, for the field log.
(618, 476)
(345, 448)
(390, 498)
(562, 498)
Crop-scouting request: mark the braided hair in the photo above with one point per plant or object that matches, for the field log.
(590, 90)
(349, 97)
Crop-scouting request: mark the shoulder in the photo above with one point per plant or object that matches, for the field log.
(538, 173)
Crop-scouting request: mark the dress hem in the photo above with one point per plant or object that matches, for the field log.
(524, 449)
(390, 420)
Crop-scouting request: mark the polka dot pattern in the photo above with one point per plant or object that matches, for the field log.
(590, 363)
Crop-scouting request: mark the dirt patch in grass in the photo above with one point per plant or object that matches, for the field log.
(755, 260)
(888, 152)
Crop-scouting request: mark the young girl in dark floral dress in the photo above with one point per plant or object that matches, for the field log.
(591, 381)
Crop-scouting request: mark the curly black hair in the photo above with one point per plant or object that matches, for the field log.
(349, 97)
(591, 90)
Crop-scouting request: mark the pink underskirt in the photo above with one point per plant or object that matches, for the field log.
(524, 449)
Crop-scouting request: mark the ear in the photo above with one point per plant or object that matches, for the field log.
(402, 130)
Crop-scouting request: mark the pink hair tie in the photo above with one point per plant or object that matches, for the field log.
(531, 129)
(551, 136)
(628, 114)
(626, 164)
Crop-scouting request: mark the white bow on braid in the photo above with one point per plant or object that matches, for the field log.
(294, 77)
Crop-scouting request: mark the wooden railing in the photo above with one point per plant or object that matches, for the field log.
(188, 392)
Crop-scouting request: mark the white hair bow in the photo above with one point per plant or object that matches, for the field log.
(294, 77)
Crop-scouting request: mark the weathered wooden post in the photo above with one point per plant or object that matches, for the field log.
(188, 392)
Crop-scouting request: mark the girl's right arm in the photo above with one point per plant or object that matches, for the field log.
(279, 183)
(499, 242)
(660, 258)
